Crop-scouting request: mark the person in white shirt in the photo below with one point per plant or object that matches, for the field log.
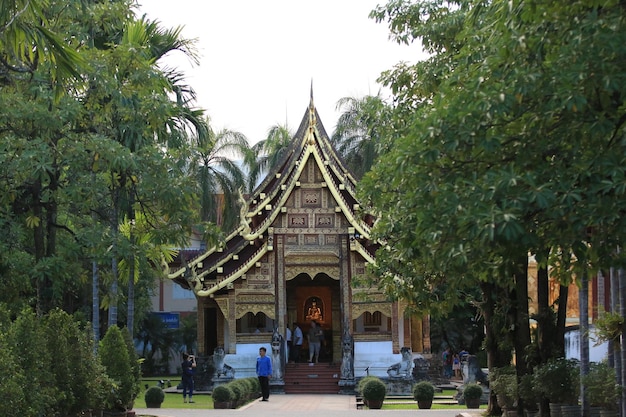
(288, 338)
(298, 338)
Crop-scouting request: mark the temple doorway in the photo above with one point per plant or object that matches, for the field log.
(316, 300)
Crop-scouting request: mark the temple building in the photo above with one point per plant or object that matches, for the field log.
(301, 245)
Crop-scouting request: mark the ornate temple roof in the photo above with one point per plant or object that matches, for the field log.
(217, 268)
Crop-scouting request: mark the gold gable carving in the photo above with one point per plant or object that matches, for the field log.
(298, 258)
(222, 303)
(359, 308)
(293, 271)
(242, 309)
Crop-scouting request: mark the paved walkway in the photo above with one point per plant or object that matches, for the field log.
(281, 405)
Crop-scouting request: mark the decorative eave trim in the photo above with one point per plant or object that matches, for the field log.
(356, 246)
(235, 275)
(192, 263)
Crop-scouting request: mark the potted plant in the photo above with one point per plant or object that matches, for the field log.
(529, 395)
(154, 397)
(602, 390)
(472, 394)
(361, 384)
(558, 381)
(374, 392)
(222, 396)
(503, 382)
(423, 393)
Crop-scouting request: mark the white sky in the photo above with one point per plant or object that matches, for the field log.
(258, 58)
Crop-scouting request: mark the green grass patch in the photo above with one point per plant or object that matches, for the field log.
(173, 400)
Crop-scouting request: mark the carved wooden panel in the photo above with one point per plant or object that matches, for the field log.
(311, 240)
(324, 220)
(311, 198)
(298, 220)
(331, 239)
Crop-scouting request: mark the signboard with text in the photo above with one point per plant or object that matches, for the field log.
(171, 320)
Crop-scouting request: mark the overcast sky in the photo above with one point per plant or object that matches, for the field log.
(258, 58)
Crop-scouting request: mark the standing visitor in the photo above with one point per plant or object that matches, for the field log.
(264, 373)
(314, 342)
(289, 344)
(447, 363)
(298, 339)
(456, 366)
(189, 368)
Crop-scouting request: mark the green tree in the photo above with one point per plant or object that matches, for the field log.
(219, 177)
(267, 153)
(362, 132)
(119, 367)
(515, 147)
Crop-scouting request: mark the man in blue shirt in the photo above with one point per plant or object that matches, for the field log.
(264, 372)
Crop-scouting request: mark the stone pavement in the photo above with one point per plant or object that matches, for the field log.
(281, 405)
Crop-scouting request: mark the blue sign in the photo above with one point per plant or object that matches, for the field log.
(171, 320)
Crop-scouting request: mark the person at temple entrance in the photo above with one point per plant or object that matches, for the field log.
(314, 336)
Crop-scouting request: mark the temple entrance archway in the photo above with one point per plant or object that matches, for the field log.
(318, 300)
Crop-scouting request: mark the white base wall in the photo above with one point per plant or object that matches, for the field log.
(244, 361)
(377, 356)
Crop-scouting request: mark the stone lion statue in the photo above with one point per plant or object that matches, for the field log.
(221, 369)
(404, 368)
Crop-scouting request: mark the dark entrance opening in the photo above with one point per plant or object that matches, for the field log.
(316, 300)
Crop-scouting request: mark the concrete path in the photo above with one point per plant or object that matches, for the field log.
(281, 405)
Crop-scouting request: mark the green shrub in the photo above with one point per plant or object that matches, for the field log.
(135, 366)
(114, 357)
(528, 393)
(503, 381)
(75, 367)
(472, 391)
(602, 389)
(32, 357)
(558, 380)
(374, 390)
(154, 396)
(423, 391)
(256, 385)
(14, 382)
(237, 389)
(362, 383)
(222, 393)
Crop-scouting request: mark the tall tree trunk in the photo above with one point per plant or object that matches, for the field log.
(545, 322)
(561, 320)
(521, 330)
(95, 304)
(622, 311)
(130, 317)
(113, 289)
(583, 307)
(494, 358)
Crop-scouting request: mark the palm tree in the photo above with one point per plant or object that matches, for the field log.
(267, 153)
(27, 40)
(359, 136)
(218, 175)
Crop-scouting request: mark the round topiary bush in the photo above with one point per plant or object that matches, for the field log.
(472, 392)
(222, 393)
(154, 397)
(423, 391)
(374, 390)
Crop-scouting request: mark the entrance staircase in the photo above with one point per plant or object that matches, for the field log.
(304, 378)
